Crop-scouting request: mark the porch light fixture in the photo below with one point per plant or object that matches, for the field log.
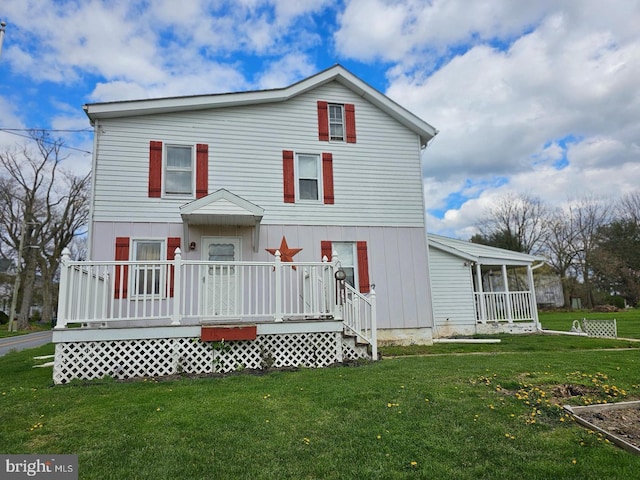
(192, 246)
(340, 274)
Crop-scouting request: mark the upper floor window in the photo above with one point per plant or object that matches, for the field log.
(175, 170)
(336, 123)
(178, 170)
(308, 170)
(307, 176)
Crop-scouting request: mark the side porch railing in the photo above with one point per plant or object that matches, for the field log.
(360, 316)
(176, 292)
(504, 306)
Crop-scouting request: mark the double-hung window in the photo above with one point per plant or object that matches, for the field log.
(348, 258)
(148, 274)
(336, 122)
(308, 176)
(178, 170)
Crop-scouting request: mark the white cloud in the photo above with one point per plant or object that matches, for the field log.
(503, 112)
(286, 71)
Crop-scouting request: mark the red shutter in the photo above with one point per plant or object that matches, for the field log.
(327, 177)
(202, 170)
(350, 120)
(363, 267)
(172, 244)
(323, 121)
(288, 177)
(121, 274)
(155, 169)
(325, 249)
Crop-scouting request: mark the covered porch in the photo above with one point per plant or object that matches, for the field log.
(480, 289)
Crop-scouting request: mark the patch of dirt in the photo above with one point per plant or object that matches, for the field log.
(561, 393)
(623, 423)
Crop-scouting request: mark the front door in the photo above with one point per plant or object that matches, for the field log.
(221, 290)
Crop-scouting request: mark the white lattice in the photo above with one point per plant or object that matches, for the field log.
(165, 356)
(285, 350)
(353, 351)
(600, 328)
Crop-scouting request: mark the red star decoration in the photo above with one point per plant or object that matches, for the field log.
(286, 253)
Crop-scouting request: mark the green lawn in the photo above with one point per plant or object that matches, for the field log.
(627, 321)
(434, 416)
(33, 327)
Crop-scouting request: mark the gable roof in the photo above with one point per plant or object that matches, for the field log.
(482, 254)
(221, 208)
(337, 73)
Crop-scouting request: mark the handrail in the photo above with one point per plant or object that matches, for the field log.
(360, 316)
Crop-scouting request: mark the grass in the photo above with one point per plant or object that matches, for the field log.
(627, 321)
(33, 327)
(435, 416)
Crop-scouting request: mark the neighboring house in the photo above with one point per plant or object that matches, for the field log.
(244, 183)
(480, 289)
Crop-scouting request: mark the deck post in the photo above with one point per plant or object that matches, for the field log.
(374, 328)
(278, 304)
(177, 287)
(61, 321)
(507, 294)
(483, 307)
(532, 298)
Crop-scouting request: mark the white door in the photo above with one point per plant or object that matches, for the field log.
(221, 290)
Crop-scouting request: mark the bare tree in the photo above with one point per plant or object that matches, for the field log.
(561, 248)
(628, 208)
(41, 208)
(515, 222)
(588, 215)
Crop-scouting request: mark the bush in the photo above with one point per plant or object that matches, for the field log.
(4, 318)
(615, 300)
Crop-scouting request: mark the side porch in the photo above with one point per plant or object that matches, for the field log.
(478, 289)
(138, 318)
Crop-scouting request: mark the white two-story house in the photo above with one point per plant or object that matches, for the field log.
(265, 196)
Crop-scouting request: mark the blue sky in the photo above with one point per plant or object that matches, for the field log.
(537, 97)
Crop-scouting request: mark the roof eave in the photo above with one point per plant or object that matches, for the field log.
(338, 73)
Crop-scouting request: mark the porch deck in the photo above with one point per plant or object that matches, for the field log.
(146, 318)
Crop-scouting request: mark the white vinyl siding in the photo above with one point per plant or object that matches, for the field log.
(377, 181)
(452, 290)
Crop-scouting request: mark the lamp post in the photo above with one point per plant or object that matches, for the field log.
(2, 25)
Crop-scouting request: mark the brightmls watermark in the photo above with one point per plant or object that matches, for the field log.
(50, 467)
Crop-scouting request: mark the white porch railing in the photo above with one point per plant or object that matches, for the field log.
(504, 306)
(189, 292)
(360, 317)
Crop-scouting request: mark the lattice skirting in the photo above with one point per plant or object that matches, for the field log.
(600, 328)
(166, 356)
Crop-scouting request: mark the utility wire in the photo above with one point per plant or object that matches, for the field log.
(14, 131)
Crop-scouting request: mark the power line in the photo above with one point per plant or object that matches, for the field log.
(14, 131)
(45, 130)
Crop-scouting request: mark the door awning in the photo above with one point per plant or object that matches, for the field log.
(221, 208)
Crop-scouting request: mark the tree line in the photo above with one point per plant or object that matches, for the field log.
(593, 244)
(43, 208)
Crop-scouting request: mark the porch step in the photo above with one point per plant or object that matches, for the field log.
(357, 340)
(354, 351)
